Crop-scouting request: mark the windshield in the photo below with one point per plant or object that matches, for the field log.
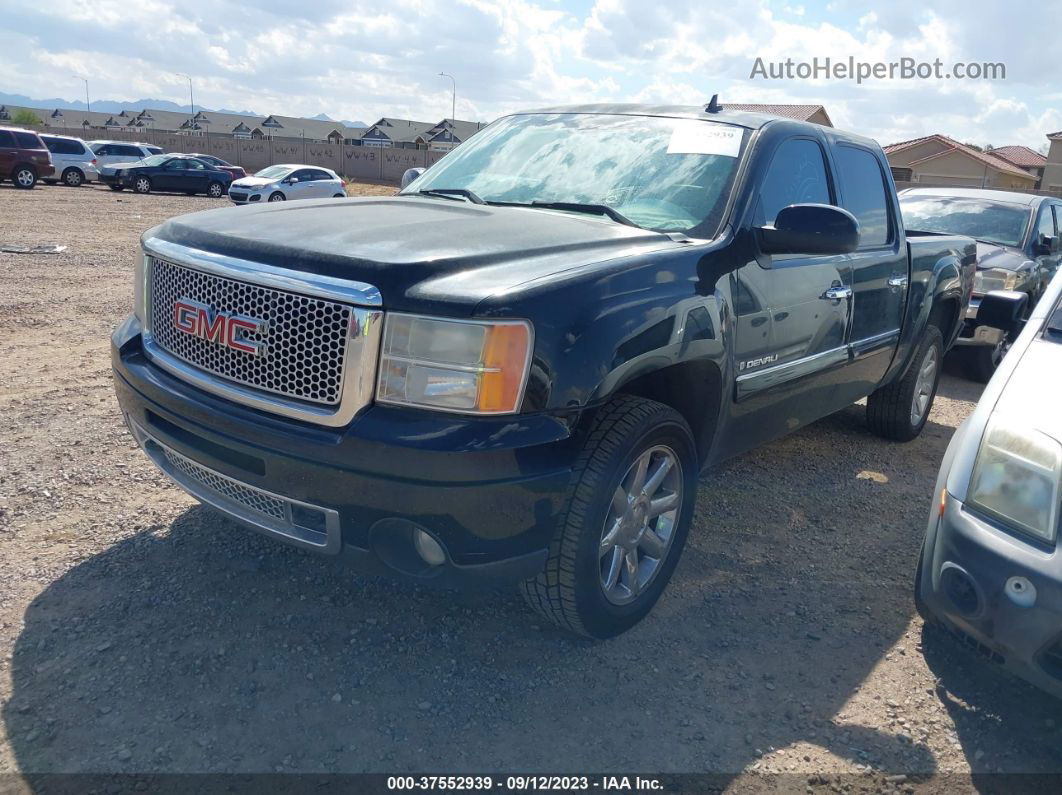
(992, 222)
(661, 173)
(154, 160)
(273, 172)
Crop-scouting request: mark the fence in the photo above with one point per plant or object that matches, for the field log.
(365, 163)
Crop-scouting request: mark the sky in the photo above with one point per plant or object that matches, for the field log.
(362, 60)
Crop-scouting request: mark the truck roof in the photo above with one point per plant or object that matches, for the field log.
(748, 119)
(1010, 197)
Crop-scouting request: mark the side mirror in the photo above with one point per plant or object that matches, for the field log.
(1046, 245)
(291, 180)
(410, 175)
(1002, 309)
(810, 229)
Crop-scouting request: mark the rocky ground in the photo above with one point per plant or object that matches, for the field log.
(141, 633)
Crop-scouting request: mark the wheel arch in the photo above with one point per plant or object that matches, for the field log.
(693, 388)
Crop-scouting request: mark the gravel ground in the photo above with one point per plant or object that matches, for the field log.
(141, 632)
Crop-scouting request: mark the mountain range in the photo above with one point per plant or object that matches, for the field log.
(116, 106)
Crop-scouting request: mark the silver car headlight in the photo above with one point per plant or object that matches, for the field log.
(467, 366)
(1016, 478)
(996, 279)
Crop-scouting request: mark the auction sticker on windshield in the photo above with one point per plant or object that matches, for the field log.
(695, 137)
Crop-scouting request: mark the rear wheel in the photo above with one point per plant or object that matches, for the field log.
(628, 511)
(277, 197)
(900, 410)
(340, 196)
(215, 190)
(24, 177)
(142, 185)
(73, 177)
(116, 187)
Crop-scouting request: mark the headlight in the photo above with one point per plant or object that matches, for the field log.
(996, 279)
(140, 273)
(1016, 479)
(475, 367)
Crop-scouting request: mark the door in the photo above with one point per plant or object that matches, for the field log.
(196, 175)
(7, 153)
(879, 267)
(809, 297)
(303, 188)
(171, 175)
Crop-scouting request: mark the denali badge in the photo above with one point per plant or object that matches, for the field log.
(758, 362)
(200, 320)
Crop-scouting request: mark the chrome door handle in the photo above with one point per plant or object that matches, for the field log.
(837, 293)
(898, 281)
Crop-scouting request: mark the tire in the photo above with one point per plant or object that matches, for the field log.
(340, 196)
(215, 190)
(573, 590)
(73, 177)
(24, 177)
(277, 196)
(891, 411)
(116, 187)
(142, 185)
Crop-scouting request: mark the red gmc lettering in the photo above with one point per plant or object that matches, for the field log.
(200, 320)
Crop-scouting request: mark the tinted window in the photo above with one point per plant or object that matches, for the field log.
(322, 175)
(994, 222)
(1047, 222)
(195, 165)
(176, 165)
(797, 176)
(127, 151)
(155, 150)
(28, 140)
(303, 175)
(7, 140)
(864, 194)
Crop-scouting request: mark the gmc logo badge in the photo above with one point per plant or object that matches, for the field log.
(200, 320)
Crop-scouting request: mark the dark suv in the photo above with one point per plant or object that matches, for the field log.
(23, 157)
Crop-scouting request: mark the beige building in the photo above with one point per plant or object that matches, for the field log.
(1052, 179)
(1023, 157)
(939, 160)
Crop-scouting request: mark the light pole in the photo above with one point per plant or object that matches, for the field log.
(88, 107)
(191, 97)
(453, 102)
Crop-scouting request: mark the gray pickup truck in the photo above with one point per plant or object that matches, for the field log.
(517, 367)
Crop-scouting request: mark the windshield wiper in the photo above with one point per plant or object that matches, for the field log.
(579, 207)
(452, 193)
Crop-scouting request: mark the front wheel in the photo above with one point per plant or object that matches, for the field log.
(142, 185)
(116, 187)
(277, 197)
(215, 190)
(900, 410)
(622, 530)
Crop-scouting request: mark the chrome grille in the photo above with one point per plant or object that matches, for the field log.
(303, 340)
(249, 497)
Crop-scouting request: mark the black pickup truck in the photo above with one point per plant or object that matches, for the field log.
(517, 367)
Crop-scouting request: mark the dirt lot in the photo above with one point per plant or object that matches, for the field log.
(139, 632)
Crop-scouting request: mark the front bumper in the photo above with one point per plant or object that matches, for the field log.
(975, 578)
(488, 490)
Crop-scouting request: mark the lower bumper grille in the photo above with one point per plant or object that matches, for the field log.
(297, 522)
(238, 197)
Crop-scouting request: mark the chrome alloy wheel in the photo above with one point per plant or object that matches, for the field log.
(927, 379)
(25, 178)
(640, 524)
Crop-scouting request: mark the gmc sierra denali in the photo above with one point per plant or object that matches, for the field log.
(517, 367)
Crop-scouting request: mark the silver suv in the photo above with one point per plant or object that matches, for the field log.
(111, 155)
(74, 161)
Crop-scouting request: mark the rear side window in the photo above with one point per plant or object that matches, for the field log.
(62, 146)
(28, 140)
(319, 175)
(7, 139)
(797, 176)
(863, 191)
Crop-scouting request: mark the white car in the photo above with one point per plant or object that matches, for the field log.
(74, 161)
(286, 182)
(112, 155)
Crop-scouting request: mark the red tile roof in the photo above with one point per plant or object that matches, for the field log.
(798, 112)
(998, 163)
(1020, 156)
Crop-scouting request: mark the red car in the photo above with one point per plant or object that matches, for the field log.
(217, 162)
(23, 157)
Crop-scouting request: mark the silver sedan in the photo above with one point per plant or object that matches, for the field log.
(286, 182)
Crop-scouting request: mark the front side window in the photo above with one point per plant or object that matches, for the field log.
(797, 175)
(175, 165)
(1047, 223)
(984, 220)
(667, 174)
(863, 184)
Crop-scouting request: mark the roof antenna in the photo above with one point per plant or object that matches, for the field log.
(713, 105)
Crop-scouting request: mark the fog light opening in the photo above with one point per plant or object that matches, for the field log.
(428, 548)
(961, 590)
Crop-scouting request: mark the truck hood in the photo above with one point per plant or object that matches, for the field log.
(417, 251)
(992, 255)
